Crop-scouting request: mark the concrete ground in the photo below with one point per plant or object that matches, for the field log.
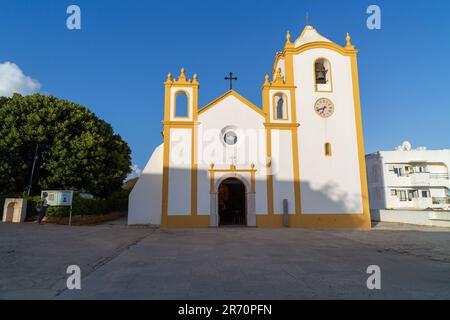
(121, 262)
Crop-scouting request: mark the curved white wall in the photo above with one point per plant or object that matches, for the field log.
(145, 198)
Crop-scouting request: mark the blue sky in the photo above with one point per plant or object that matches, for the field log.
(117, 63)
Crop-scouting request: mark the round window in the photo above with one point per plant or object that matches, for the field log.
(230, 138)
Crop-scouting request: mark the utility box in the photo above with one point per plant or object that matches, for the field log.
(14, 210)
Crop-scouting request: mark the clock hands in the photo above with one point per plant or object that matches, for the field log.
(321, 110)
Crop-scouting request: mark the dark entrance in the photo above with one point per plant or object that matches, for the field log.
(232, 202)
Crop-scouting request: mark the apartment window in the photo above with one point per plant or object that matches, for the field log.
(421, 169)
(402, 195)
(411, 194)
(399, 171)
(425, 194)
(393, 192)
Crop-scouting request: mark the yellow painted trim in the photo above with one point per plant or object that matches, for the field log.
(330, 72)
(211, 181)
(183, 221)
(360, 140)
(232, 168)
(274, 111)
(269, 176)
(194, 171)
(236, 95)
(289, 73)
(323, 45)
(278, 56)
(165, 182)
(281, 126)
(296, 171)
(194, 144)
(345, 51)
(180, 124)
(252, 178)
(342, 220)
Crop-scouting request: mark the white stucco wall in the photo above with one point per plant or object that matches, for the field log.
(180, 168)
(283, 169)
(250, 148)
(328, 184)
(145, 198)
(423, 218)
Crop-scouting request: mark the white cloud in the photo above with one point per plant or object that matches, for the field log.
(13, 80)
(135, 172)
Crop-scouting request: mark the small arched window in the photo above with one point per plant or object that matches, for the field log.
(181, 105)
(280, 106)
(322, 70)
(327, 148)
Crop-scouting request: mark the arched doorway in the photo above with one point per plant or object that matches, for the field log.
(232, 202)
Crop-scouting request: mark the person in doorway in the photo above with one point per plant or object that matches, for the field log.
(43, 207)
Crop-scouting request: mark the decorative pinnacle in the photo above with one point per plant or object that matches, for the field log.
(279, 73)
(169, 77)
(347, 39)
(195, 78)
(288, 37)
(266, 80)
(182, 76)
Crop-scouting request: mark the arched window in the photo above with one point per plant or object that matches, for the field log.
(327, 149)
(280, 106)
(181, 105)
(322, 69)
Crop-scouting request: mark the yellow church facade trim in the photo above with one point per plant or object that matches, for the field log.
(236, 95)
(272, 218)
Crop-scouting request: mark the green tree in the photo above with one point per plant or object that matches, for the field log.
(76, 150)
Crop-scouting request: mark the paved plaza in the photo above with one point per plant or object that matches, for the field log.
(122, 262)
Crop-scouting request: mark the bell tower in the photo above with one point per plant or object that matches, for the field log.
(180, 148)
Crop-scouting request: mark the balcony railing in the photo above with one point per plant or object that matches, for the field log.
(438, 175)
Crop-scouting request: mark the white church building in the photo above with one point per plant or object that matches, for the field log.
(296, 160)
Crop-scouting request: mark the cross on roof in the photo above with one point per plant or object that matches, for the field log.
(231, 78)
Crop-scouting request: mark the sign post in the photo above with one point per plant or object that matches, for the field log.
(60, 198)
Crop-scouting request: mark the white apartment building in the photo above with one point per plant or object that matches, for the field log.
(409, 179)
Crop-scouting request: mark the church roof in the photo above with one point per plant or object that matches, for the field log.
(236, 95)
(309, 34)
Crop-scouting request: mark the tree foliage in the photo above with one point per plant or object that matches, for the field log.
(76, 150)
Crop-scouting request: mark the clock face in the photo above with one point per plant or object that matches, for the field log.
(324, 107)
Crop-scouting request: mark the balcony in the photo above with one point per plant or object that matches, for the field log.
(439, 176)
(420, 178)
